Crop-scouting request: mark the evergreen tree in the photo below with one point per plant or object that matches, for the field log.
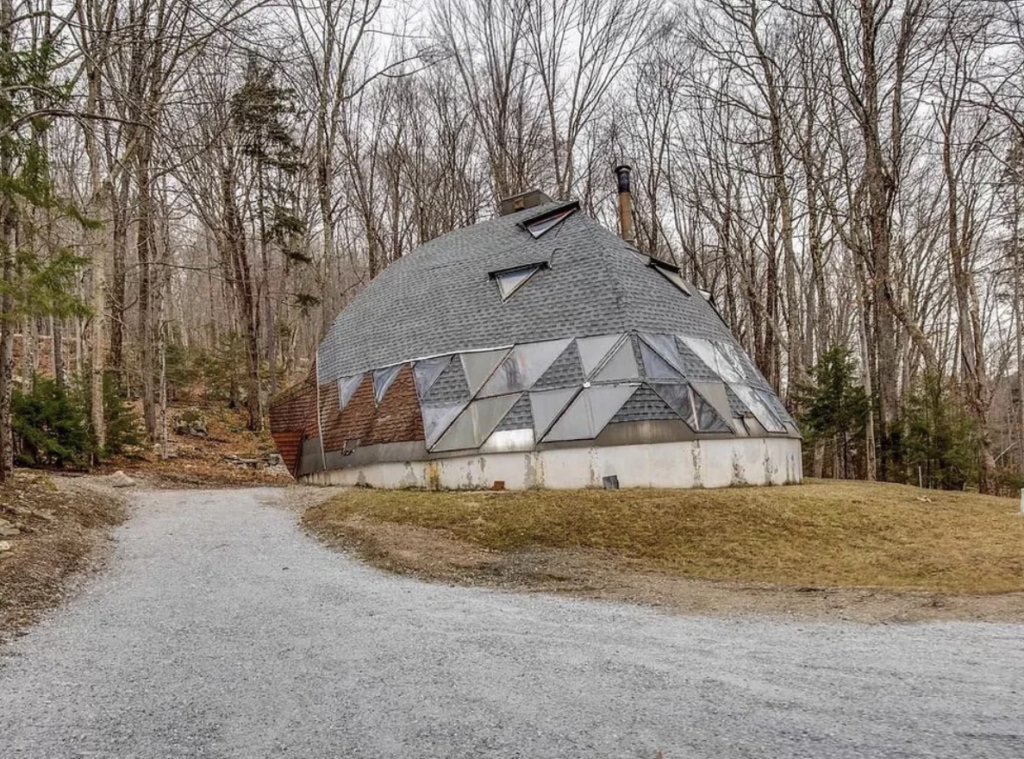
(261, 115)
(29, 285)
(835, 408)
(940, 440)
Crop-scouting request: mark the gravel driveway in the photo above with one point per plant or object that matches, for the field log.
(221, 630)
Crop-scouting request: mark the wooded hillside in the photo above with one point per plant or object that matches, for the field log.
(192, 189)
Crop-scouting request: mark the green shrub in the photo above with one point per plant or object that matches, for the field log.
(50, 426)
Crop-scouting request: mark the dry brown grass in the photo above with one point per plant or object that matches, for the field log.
(62, 531)
(198, 462)
(852, 534)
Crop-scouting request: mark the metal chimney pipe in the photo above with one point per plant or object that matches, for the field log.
(625, 203)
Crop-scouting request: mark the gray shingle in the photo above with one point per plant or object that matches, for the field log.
(440, 299)
(736, 406)
(643, 406)
(450, 386)
(519, 417)
(693, 367)
(566, 371)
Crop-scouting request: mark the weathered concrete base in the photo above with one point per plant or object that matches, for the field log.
(685, 464)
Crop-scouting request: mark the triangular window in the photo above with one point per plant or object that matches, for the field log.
(537, 227)
(347, 387)
(511, 280)
(671, 273)
(382, 379)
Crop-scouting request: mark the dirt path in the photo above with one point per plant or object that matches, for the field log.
(432, 555)
(220, 629)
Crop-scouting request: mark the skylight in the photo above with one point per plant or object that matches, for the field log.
(671, 273)
(511, 280)
(537, 227)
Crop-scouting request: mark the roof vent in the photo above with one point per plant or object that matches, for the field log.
(524, 200)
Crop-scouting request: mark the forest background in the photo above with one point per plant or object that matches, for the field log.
(190, 190)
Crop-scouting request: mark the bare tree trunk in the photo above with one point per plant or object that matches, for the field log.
(118, 284)
(57, 333)
(8, 221)
(145, 247)
(1017, 275)
(871, 473)
(242, 274)
(8, 242)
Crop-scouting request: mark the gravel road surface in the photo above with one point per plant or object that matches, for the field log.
(221, 630)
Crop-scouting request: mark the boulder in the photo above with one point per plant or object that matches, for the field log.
(191, 421)
(119, 480)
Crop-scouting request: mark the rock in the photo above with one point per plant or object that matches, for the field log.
(119, 480)
(8, 529)
(5, 545)
(191, 421)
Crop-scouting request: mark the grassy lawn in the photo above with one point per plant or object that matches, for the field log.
(818, 533)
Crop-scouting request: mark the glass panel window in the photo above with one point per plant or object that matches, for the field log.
(437, 417)
(621, 366)
(512, 280)
(677, 396)
(540, 226)
(480, 365)
(727, 369)
(655, 366)
(523, 367)
(715, 394)
(672, 276)
(730, 353)
(382, 379)
(758, 408)
(705, 351)
(590, 412)
(347, 387)
(426, 372)
(476, 423)
(546, 405)
(708, 419)
(665, 345)
(594, 349)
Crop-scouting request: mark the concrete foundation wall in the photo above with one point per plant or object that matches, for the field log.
(685, 464)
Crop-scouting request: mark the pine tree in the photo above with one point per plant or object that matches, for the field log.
(261, 112)
(29, 285)
(834, 407)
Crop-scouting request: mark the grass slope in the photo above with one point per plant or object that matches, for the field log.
(819, 533)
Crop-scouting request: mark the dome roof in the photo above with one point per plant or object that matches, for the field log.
(575, 279)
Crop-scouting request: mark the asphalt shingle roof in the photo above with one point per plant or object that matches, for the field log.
(440, 298)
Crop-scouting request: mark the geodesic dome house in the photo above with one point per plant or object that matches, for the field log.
(536, 349)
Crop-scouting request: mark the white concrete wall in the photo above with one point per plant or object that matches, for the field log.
(698, 463)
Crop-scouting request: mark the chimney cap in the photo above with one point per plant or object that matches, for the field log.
(522, 201)
(622, 173)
